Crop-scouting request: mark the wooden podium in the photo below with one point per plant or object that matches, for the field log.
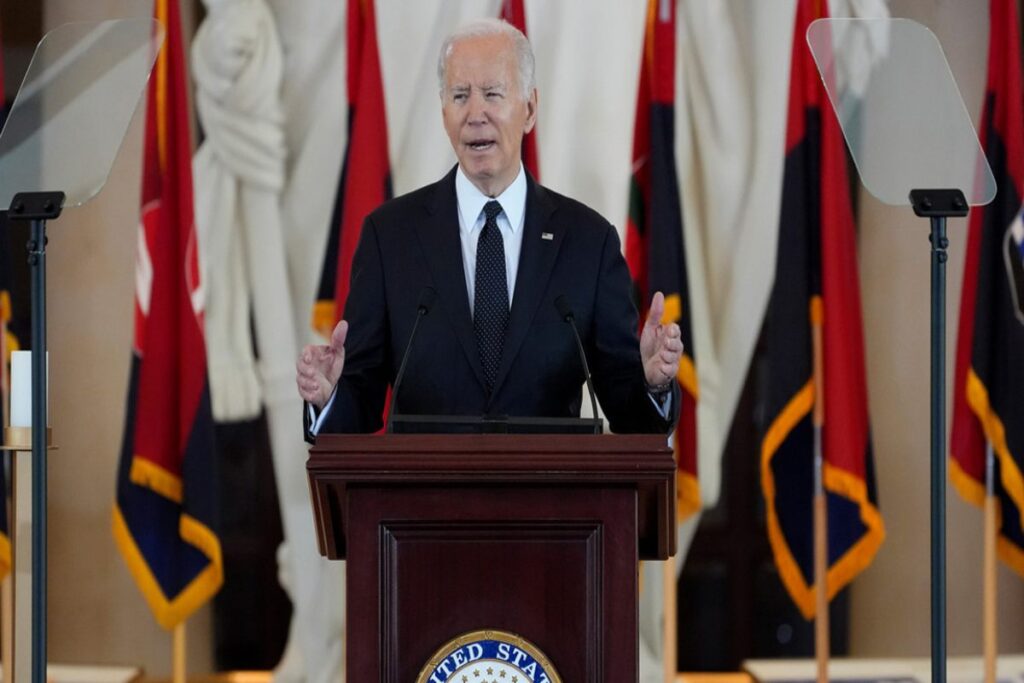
(536, 535)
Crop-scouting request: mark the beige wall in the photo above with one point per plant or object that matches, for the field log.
(96, 614)
(891, 601)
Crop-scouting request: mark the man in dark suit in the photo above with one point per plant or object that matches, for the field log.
(489, 251)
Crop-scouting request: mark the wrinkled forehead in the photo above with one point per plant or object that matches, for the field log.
(481, 62)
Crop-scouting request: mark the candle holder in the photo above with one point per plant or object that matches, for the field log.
(20, 439)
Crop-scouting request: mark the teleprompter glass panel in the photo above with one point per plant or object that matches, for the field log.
(900, 109)
(74, 107)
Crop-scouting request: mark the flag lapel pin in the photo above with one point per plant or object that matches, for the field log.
(547, 236)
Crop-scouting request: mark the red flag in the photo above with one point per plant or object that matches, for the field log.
(514, 13)
(655, 247)
(165, 514)
(365, 181)
(816, 294)
(988, 403)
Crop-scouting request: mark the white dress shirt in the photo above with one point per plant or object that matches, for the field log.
(471, 203)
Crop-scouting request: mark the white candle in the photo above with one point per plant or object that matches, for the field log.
(21, 387)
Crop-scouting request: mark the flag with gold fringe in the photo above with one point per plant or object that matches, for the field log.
(655, 246)
(365, 180)
(988, 388)
(164, 519)
(816, 294)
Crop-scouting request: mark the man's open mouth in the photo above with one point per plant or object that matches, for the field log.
(481, 145)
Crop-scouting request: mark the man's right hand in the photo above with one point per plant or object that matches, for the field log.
(319, 367)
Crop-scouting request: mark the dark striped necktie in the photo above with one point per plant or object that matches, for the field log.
(490, 300)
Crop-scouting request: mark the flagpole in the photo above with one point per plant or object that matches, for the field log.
(821, 635)
(669, 607)
(7, 623)
(989, 579)
(178, 654)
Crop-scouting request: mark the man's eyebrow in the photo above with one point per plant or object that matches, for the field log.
(464, 87)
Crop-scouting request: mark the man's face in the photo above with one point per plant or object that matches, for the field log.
(484, 111)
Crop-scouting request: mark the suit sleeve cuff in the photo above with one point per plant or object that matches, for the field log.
(316, 420)
(662, 403)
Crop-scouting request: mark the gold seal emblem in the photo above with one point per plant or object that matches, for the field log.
(488, 656)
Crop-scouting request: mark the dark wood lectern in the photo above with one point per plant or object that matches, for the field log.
(537, 535)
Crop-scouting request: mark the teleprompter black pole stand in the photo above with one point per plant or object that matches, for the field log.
(938, 205)
(37, 208)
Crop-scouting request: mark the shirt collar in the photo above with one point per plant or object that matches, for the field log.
(471, 200)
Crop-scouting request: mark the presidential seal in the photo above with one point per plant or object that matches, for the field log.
(488, 657)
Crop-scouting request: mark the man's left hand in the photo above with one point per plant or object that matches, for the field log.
(661, 345)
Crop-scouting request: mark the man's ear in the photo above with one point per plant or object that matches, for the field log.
(531, 112)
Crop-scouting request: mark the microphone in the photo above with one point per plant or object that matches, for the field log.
(564, 310)
(428, 295)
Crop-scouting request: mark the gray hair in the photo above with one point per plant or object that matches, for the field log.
(491, 27)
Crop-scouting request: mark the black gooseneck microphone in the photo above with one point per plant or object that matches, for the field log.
(427, 298)
(564, 310)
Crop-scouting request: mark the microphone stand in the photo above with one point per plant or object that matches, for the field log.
(427, 297)
(566, 312)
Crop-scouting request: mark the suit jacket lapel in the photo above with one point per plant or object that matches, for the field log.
(542, 240)
(442, 248)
